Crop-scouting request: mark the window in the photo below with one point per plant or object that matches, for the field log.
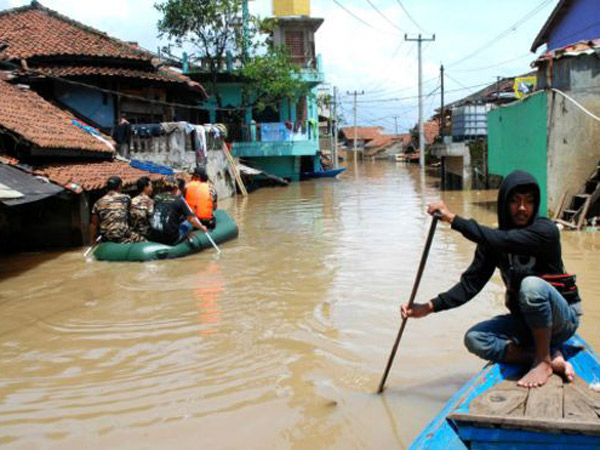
(294, 42)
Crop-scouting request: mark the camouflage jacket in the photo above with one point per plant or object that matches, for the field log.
(113, 214)
(142, 208)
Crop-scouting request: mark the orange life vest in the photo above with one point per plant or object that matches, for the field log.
(197, 195)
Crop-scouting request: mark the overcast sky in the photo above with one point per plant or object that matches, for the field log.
(363, 45)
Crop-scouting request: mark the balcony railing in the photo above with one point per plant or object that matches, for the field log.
(273, 131)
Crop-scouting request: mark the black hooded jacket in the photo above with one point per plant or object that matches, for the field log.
(517, 252)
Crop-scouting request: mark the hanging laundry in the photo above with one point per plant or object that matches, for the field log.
(147, 130)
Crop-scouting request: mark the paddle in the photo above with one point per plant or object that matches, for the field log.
(213, 243)
(413, 294)
(89, 249)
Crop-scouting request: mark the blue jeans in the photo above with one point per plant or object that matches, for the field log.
(541, 305)
(184, 228)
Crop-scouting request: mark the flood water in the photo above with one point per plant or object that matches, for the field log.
(278, 343)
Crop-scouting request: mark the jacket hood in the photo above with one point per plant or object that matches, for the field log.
(515, 179)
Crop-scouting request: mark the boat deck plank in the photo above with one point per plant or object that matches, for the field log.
(546, 401)
(556, 406)
(576, 407)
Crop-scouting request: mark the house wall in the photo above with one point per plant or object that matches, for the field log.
(95, 106)
(281, 166)
(582, 22)
(573, 150)
(220, 174)
(231, 94)
(575, 74)
(517, 139)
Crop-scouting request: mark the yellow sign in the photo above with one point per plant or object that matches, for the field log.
(524, 86)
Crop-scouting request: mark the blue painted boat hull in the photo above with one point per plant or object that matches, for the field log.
(442, 432)
(323, 173)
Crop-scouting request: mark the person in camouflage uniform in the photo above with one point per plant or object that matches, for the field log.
(110, 215)
(142, 208)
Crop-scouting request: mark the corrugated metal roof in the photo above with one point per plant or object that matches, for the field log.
(18, 187)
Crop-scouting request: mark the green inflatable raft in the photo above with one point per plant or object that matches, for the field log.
(225, 230)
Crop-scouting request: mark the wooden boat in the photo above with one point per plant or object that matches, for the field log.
(323, 173)
(492, 412)
(225, 230)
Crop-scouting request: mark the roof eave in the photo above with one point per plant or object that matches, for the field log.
(559, 10)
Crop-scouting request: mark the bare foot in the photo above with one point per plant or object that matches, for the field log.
(561, 366)
(537, 376)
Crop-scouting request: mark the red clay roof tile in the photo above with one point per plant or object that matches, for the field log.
(163, 74)
(363, 133)
(91, 176)
(26, 114)
(34, 30)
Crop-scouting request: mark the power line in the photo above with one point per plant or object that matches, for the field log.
(384, 16)
(456, 81)
(416, 96)
(391, 75)
(410, 17)
(399, 90)
(358, 18)
(477, 69)
(504, 33)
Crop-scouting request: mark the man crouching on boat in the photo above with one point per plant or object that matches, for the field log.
(526, 248)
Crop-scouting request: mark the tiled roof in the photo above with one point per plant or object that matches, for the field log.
(163, 74)
(406, 138)
(29, 116)
(431, 130)
(34, 30)
(383, 140)
(90, 176)
(363, 133)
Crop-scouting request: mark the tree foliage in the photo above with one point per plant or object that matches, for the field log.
(272, 77)
(214, 29)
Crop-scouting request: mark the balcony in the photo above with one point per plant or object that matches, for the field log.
(276, 139)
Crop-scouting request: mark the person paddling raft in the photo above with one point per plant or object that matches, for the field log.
(543, 300)
(173, 219)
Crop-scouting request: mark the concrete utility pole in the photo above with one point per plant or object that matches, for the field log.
(356, 94)
(442, 115)
(396, 124)
(420, 41)
(334, 130)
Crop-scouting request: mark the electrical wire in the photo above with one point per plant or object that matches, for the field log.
(410, 17)
(416, 96)
(477, 69)
(386, 18)
(446, 74)
(359, 19)
(576, 103)
(504, 33)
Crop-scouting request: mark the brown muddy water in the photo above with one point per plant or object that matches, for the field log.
(278, 343)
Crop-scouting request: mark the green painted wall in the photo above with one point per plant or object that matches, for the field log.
(282, 166)
(517, 139)
(283, 148)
